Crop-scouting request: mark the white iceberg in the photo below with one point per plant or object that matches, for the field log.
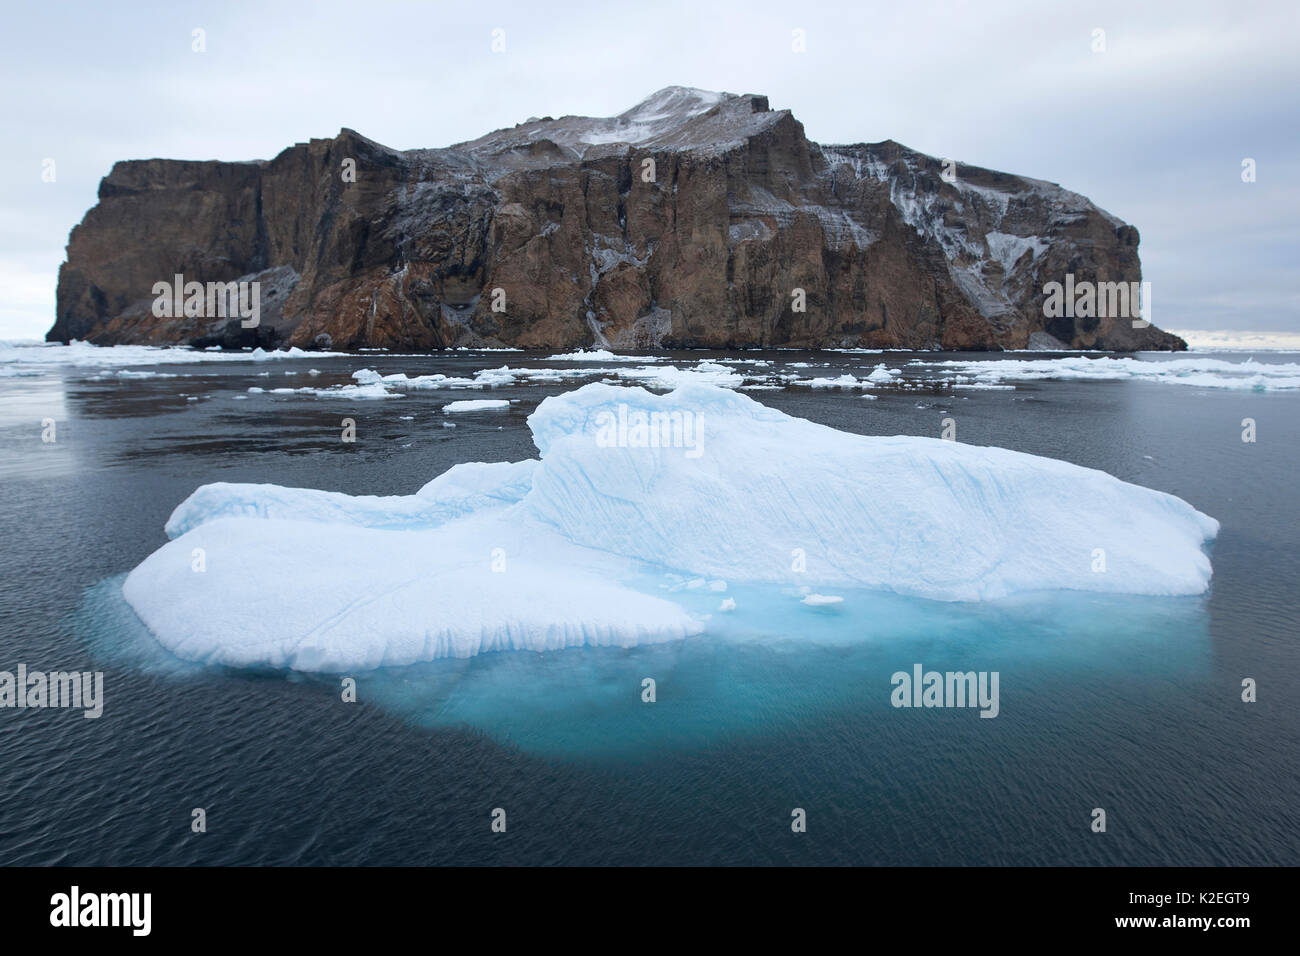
(83, 354)
(600, 355)
(563, 551)
(1197, 372)
(475, 405)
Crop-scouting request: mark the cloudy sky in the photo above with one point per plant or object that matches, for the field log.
(1154, 129)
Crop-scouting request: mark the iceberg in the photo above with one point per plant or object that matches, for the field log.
(83, 354)
(1196, 372)
(475, 405)
(568, 549)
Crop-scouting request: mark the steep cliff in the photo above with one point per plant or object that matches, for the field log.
(689, 220)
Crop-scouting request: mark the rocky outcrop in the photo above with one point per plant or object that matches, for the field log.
(693, 219)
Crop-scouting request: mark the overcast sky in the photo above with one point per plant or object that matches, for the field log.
(1154, 129)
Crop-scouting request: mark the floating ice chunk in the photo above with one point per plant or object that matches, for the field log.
(728, 604)
(670, 376)
(127, 373)
(475, 405)
(262, 355)
(324, 581)
(1199, 372)
(367, 392)
(601, 355)
(115, 356)
(843, 381)
(816, 600)
(371, 384)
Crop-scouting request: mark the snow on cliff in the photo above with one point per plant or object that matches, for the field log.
(675, 118)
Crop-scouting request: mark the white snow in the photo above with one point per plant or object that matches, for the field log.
(322, 581)
(1008, 249)
(840, 381)
(84, 354)
(600, 355)
(475, 405)
(704, 372)
(128, 373)
(983, 375)
(1200, 372)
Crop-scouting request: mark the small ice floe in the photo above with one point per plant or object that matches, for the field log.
(474, 405)
(816, 600)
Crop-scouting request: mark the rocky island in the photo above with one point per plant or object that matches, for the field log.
(693, 219)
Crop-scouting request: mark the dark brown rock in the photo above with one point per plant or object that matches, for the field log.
(557, 215)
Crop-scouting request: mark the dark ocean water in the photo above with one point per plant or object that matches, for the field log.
(1129, 704)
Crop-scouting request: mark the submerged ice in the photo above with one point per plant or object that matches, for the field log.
(571, 549)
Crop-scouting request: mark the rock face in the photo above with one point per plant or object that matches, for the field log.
(693, 219)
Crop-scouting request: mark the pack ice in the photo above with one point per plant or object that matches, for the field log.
(568, 549)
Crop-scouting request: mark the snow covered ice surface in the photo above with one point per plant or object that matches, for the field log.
(574, 548)
(475, 405)
(601, 355)
(660, 372)
(1202, 372)
(83, 354)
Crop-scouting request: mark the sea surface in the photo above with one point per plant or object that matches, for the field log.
(1129, 704)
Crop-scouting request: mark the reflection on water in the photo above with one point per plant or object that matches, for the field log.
(761, 669)
(28, 404)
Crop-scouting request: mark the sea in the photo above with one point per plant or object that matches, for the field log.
(773, 737)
